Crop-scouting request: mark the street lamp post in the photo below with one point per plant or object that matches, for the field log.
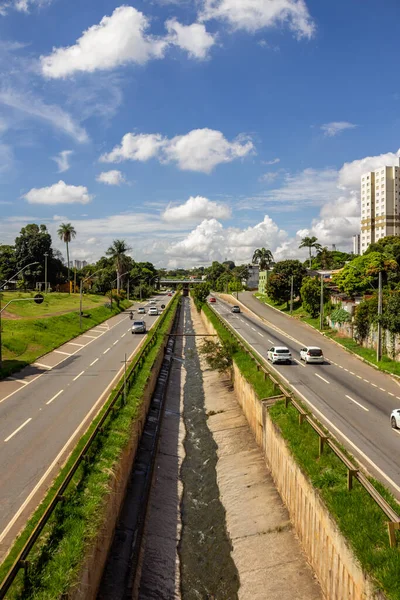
(45, 272)
(18, 272)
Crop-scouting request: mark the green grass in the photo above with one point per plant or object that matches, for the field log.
(369, 354)
(298, 310)
(264, 388)
(359, 518)
(53, 303)
(23, 341)
(57, 558)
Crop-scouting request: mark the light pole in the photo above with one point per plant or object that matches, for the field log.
(45, 272)
(321, 309)
(81, 292)
(18, 272)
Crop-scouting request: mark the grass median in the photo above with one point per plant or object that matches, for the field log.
(264, 387)
(57, 558)
(359, 518)
(24, 340)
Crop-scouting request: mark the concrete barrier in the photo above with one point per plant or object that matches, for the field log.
(336, 568)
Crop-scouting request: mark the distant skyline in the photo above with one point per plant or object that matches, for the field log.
(195, 131)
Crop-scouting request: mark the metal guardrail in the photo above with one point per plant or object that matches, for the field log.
(325, 439)
(21, 560)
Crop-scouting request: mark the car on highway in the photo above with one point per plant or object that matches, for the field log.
(152, 302)
(312, 354)
(395, 418)
(141, 310)
(212, 299)
(139, 327)
(153, 311)
(278, 354)
(235, 309)
(169, 294)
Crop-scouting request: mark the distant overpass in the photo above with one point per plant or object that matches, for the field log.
(184, 282)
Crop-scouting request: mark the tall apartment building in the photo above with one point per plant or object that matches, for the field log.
(380, 205)
(357, 243)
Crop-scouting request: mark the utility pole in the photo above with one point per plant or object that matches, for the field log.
(80, 303)
(127, 293)
(291, 294)
(45, 272)
(125, 380)
(75, 281)
(379, 342)
(321, 310)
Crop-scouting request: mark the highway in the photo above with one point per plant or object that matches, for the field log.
(45, 408)
(351, 398)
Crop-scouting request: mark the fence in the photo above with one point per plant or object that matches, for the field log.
(21, 560)
(325, 439)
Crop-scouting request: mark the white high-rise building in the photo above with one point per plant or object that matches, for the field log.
(380, 205)
(357, 243)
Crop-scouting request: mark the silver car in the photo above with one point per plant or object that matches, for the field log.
(395, 418)
(235, 309)
(139, 327)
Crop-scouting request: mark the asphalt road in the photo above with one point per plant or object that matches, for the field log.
(351, 398)
(45, 408)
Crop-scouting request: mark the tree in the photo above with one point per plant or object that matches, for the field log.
(361, 274)
(8, 262)
(310, 242)
(279, 281)
(310, 292)
(392, 313)
(214, 272)
(30, 247)
(200, 292)
(66, 233)
(362, 321)
(263, 257)
(117, 251)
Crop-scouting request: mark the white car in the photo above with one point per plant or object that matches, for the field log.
(395, 418)
(278, 354)
(152, 302)
(153, 311)
(312, 354)
(141, 310)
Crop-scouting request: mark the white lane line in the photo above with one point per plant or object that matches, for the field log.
(358, 404)
(77, 377)
(18, 380)
(359, 376)
(75, 344)
(390, 394)
(260, 334)
(93, 337)
(346, 369)
(123, 335)
(94, 362)
(116, 342)
(398, 397)
(351, 373)
(382, 389)
(270, 341)
(105, 351)
(299, 363)
(366, 380)
(19, 429)
(54, 397)
(60, 352)
(36, 364)
(323, 379)
(242, 320)
(374, 384)
(340, 366)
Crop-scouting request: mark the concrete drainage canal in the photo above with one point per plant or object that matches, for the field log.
(171, 540)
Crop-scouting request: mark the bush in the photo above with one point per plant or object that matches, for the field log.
(340, 316)
(219, 356)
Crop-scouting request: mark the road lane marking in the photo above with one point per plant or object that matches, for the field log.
(18, 380)
(19, 429)
(260, 334)
(340, 367)
(75, 344)
(366, 380)
(358, 404)
(54, 397)
(346, 369)
(374, 384)
(116, 342)
(77, 377)
(254, 329)
(382, 389)
(270, 341)
(94, 362)
(323, 379)
(60, 352)
(105, 351)
(359, 376)
(351, 373)
(42, 365)
(123, 335)
(390, 394)
(299, 363)
(93, 337)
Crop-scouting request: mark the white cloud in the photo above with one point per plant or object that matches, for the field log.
(211, 241)
(117, 40)
(62, 160)
(193, 38)
(310, 186)
(269, 177)
(196, 208)
(350, 173)
(59, 193)
(111, 178)
(336, 127)
(21, 5)
(199, 150)
(6, 158)
(253, 15)
(274, 161)
(33, 107)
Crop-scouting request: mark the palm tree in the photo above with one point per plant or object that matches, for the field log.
(310, 242)
(263, 257)
(117, 251)
(66, 233)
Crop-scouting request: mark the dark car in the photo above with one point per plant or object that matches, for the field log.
(236, 309)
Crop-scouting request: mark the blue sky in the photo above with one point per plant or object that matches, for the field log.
(195, 131)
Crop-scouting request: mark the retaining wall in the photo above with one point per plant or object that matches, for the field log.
(92, 570)
(336, 568)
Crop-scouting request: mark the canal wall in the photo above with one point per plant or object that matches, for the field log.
(338, 571)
